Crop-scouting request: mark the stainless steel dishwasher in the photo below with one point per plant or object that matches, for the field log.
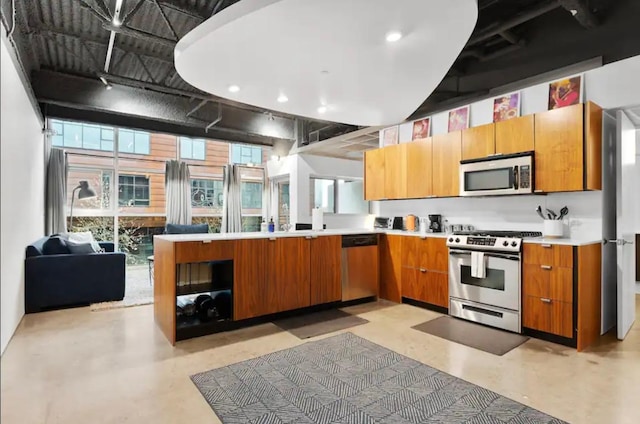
(360, 275)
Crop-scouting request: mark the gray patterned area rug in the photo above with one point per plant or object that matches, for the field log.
(347, 379)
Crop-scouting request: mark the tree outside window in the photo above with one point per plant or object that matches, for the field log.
(133, 190)
(192, 148)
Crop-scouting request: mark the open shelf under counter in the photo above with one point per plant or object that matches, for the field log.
(199, 288)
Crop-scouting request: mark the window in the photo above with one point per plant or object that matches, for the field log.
(192, 148)
(206, 193)
(82, 136)
(251, 195)
(338, 196)
(130, 141)
(244, 155)
(133, 190)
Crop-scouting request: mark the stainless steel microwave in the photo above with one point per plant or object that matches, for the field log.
(497, 175)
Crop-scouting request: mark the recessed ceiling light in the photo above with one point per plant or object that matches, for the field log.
(394, 36)
(322, 109)
(234, 88)
(282, 98)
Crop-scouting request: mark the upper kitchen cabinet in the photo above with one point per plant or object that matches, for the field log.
(515, 135)
(478, 142)
(395, 171)
(374, 174)
(419, 177)
(568, 143)
(447, 153)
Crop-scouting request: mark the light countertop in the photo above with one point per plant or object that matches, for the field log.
(340, 232)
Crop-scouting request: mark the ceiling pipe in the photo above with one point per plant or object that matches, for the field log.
(218, 119)
(198, 107)
(518, 20)
(123, 29)
(580, 12)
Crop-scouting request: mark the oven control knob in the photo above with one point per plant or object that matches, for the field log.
(514, 244)
(505, 243)
(457, 240)
(450, 239)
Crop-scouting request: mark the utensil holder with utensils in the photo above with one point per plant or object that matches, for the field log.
(553, 228)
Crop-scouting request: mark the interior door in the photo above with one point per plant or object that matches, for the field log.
(625, 226)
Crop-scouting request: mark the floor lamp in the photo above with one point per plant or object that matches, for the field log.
(85, 192)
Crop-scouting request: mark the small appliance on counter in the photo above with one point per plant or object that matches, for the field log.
(435, 223)
(381, 222)
(397, 223)
(410, 223)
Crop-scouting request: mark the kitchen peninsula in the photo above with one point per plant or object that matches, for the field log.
(299, 271)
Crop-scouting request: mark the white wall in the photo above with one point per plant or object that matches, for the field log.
(638, 197)
(22, 171)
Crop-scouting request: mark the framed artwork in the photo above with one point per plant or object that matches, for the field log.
(421, 129)
(565, 92)
(459, 119)
(506, 107)
(390, 136)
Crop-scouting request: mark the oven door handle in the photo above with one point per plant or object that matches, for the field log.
(491, 255)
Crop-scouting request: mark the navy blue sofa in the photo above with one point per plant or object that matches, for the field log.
(66, 279)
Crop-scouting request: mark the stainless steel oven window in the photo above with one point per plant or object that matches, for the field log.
(489, 179)
(494, 279)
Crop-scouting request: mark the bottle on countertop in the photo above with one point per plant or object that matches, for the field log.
(272, 226)
(263, 226)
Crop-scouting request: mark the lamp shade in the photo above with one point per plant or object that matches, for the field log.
(85, 192)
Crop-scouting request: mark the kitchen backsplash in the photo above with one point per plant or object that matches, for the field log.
(507, 212)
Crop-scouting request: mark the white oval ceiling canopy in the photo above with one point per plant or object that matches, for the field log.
(361, 62)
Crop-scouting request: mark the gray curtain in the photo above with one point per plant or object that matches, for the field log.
(177, 186)
(232, 203)
(56, 195)
(267, 212)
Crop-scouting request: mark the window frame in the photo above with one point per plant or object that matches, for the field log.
(134, 132)
(101, 141)
(336, 195)
(245, 146)
(192, 140)
(134, 185)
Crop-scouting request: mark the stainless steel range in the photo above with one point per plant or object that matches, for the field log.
(485, 272)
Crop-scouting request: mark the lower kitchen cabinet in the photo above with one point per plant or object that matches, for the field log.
(250, 282)
(325, 269)
(561, 293)
(288, 279)
(426, 286)
(391, 267)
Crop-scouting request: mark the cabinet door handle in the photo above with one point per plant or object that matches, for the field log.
(538, 191)
(307, 237)
(423, 270)
(546, 246)
(272, 239)
(545, 300)
(547, 267)
(206, 241)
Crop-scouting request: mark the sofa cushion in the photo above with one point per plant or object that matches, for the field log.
(55, 245)
(187, 229)
(80, 248)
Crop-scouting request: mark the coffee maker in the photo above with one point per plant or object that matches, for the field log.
(435, 223)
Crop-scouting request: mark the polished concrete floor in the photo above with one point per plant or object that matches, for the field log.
(77, 366)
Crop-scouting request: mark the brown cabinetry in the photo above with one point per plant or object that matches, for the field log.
(287, 269)
(561, 291)
(395, 171)
(568, 149)
(391, 267)
(447, 152)
(419, 169)
(202, 251)
(425, 270)
(478, 142)
(515, 135)
(250, 280)
(374, 181)
(325, 267)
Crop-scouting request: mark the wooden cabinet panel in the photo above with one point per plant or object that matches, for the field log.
(478, 142)
(250, 285)
(547, 315)
(593, 146)
(413, 284)
(438, 288)
(559, 149)
(164, 288)
(447, 152)
(325, 267)
(288, 273)
(589, 294)
(374, 174)
(429, 253)
(390, 267)
(395, 171)
(198, 251)
(555, 283)
(419, 168)
(515, 135)
(548, 254)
